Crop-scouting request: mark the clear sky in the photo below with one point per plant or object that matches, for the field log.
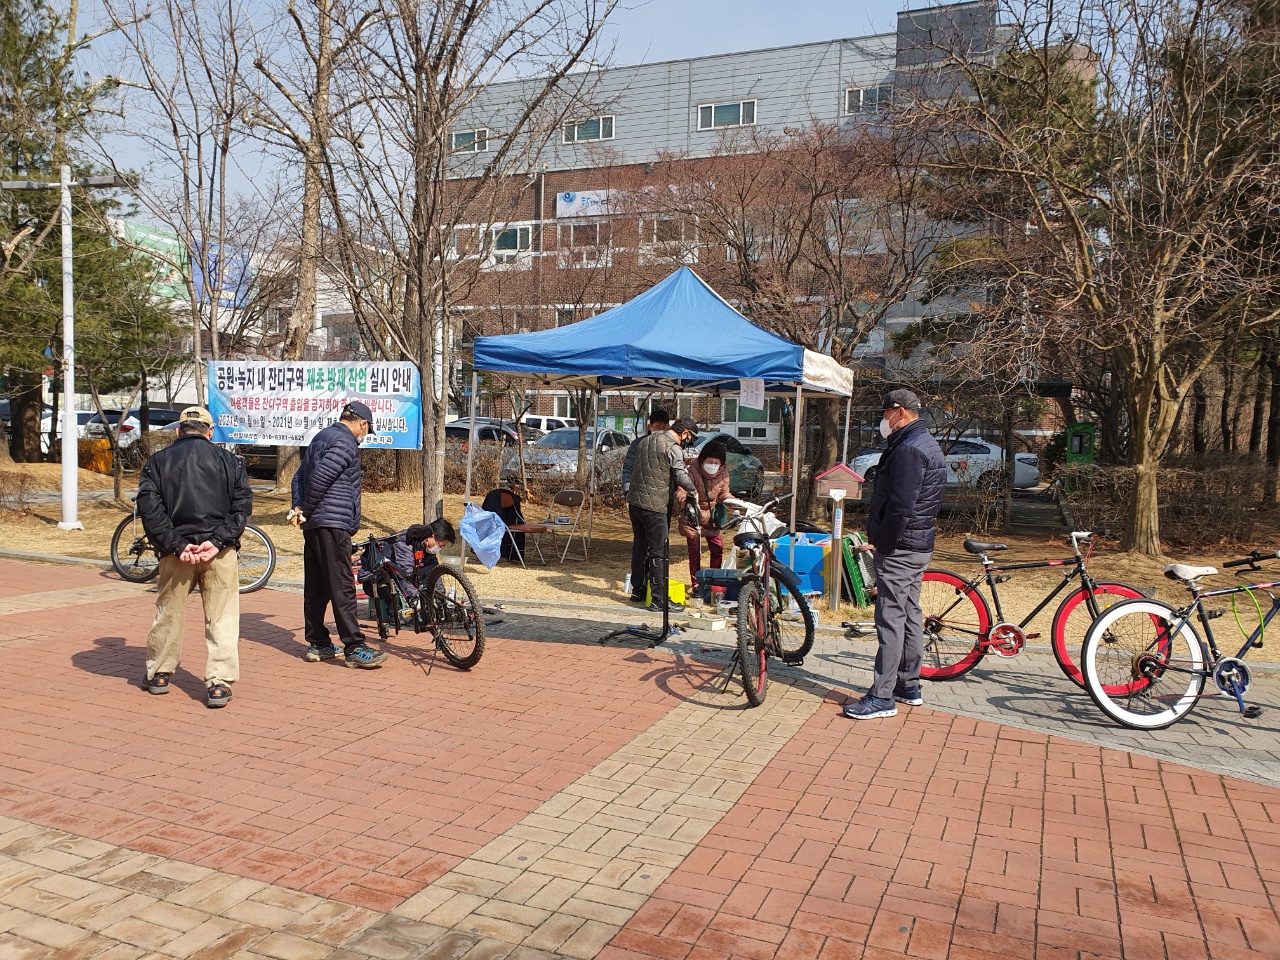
(645, 32)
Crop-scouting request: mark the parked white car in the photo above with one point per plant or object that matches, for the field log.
(547, 424)
(969, 463)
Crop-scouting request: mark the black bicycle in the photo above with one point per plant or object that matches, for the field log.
(136, 560)
(768, 626)
(1146, 667)
(408, 592)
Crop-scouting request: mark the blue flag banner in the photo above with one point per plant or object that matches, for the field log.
(287, 403)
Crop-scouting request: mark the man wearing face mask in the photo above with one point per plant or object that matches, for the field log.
(659, 468)
(910, 479)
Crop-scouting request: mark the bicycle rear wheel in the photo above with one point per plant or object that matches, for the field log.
(1143, 666)
(752, 649)
(454, 608)
(256, 559)
(794, 628)
(1074, 616)
(956, 623)
(131, 552)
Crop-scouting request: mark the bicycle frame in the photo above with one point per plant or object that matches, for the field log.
(1197, 607)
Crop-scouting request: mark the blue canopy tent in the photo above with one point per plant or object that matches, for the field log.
(678, 336)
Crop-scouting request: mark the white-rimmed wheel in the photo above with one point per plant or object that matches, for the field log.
(1143, 666)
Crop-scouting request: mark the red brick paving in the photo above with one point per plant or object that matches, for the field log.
(936, 836)
(363, 786)
(928, 835)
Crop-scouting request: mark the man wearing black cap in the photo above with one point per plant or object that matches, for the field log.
(910, 479)
(326, 504)
(659, 466)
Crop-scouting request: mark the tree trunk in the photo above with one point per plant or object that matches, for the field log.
(5, 457)
(1144, 521)
(827, 412)
(1199, 441)
(24, 410)
(1261, 386)
(1224, 409)
(1272, 481)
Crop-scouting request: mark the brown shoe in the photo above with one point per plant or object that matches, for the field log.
(159, 683)
(219, 694)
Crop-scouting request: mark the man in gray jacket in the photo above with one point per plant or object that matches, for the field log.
(326, 504)
(658, 467)
(659, 420)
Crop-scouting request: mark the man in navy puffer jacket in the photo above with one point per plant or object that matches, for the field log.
(910, 479)
(326, 502)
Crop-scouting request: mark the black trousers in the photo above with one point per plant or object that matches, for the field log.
(649, 530)
(326, 571)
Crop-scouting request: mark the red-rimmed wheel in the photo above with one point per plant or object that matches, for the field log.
(1074, 617)
(956, 622)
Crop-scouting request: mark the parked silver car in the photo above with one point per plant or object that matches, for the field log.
(556, 454)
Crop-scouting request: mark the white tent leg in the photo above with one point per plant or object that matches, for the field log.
(471, 450)
(795, 468)
(591, 484)
(848, 413)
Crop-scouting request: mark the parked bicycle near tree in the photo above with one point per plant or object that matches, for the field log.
(959, 628)
(1146, 666)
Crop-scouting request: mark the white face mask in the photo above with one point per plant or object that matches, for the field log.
(434, 551)
(886, 428)
(711, 469)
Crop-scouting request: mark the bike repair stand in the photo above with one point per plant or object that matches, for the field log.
(645, 635)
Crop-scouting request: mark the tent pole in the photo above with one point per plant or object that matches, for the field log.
(471, 451)
(591, 486)
(848, 413)
(795, 468)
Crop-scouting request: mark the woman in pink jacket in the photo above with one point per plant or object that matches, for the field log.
(710, 474)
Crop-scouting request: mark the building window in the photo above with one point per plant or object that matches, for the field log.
(563, 408)
(510, 245)
(867, 99)
(739, 113)
(584, 131)
(668, 238)
(564, 315)
(471, 141)
(585, 244)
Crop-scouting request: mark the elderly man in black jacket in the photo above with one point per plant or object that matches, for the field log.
(194, 501)
(326, 504)
(910, 479)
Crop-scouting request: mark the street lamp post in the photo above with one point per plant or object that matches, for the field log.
(70, 452)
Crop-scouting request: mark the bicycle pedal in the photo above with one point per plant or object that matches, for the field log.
(1032, 636)
(793, 661)
(1251, 712)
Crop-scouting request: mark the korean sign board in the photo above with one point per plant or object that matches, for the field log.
(287, 403)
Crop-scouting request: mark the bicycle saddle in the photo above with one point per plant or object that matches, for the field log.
(1184, 571)
(747, 538)
(978, 546)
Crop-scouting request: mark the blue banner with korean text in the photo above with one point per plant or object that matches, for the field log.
(285, 403)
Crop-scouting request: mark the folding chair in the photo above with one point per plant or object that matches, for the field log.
(507, 499)
(568, 500)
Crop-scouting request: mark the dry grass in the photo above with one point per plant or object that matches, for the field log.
(48, 476)
(598, 581)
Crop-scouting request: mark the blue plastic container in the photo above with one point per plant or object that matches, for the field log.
(810, 556)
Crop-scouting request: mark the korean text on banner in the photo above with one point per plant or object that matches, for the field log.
(287, 403)
(752, 393)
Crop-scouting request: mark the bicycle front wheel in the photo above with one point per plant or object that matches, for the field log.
(751, 643)
(1076, 613)
(458, 620)
(256, 560)
(956, 624)
(793, 627)
(131, 552)
(1143, 666)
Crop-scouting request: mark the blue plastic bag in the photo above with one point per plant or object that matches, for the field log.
(483, 532)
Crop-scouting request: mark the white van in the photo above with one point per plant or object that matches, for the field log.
(547, 424)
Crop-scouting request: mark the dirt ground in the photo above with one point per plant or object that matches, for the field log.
(595, 581)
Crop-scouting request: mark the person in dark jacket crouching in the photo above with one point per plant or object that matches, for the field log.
(326, 504)
(194, 501)
(910, 479)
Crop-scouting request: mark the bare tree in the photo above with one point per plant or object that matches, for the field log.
(1138, 140)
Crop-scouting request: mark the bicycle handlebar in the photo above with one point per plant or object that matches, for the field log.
(754, 511)
(1252, 559)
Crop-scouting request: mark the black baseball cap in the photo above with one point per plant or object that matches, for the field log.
(901, 397)
(362, 411)
(685, 425)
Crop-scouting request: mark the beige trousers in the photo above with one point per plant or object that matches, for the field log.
(219, 583)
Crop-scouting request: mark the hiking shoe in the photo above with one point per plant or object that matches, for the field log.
(870, 708)
(365, 657)
(159, 683)
(317, 653)
(219, 694)
(640, 600)
(672, 606)
(908, 695)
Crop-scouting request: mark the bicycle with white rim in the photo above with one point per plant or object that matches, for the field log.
(1146, 666)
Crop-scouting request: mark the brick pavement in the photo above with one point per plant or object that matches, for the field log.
(564, 799)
